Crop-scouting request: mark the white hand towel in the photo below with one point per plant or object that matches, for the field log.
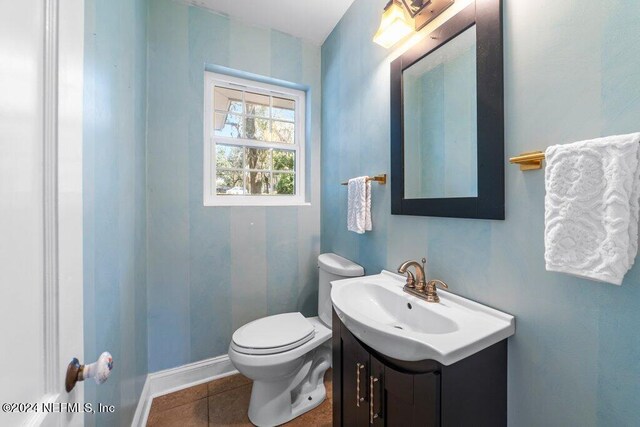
(359, 205)
(591, 207)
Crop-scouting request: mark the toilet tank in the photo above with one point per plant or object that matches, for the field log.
(332, 267)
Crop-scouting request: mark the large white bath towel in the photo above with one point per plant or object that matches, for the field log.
(359, 205)
(591, 207)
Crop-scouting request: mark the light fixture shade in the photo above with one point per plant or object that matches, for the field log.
(393, 26)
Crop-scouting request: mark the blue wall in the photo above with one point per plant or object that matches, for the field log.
(115, 294)
(212, 269)
(572, 71)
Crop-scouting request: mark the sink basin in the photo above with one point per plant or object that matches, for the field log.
(399, 325)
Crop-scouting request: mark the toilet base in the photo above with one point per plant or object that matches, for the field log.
(277, 402)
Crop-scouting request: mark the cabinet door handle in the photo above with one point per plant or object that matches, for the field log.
(358, 398)
(372, 415)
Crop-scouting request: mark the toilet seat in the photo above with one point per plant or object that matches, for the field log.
(273, 334)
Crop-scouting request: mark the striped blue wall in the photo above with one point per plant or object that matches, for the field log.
(572, 71)
(212, 269)
(115, 293)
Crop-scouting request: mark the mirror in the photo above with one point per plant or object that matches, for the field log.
(440, 122)
(447, 119)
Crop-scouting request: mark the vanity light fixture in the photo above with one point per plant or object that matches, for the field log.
(393, 26)
(396, 23)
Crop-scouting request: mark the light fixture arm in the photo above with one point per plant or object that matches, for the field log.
(413, 7)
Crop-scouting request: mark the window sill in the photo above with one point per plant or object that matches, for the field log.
(256, 203)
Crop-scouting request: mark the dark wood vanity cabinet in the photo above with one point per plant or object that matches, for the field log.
(381, 395)
(372, 389)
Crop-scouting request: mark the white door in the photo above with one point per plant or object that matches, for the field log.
(40, 208)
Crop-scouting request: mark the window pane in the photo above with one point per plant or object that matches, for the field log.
(257, 105)
(229, 125)
(229, 182)
(283, 132)
(258, 158)
(284, 109)
(283, 160)
(227, 100)
(229, 156)
(257, 128)
(284, 183)
(257, 183)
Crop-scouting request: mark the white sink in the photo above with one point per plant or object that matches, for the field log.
(399, 325)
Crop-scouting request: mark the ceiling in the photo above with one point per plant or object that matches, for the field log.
(311, 20)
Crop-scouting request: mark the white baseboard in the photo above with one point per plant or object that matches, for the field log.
(171, 380)
(144, 404)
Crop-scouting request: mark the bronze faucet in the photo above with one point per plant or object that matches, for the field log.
(419, 275)
(427, 291)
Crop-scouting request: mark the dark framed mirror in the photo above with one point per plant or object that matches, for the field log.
(447, 119)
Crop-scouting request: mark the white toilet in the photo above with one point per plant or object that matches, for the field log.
(287, 355)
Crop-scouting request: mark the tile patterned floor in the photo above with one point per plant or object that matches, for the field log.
(224, 402)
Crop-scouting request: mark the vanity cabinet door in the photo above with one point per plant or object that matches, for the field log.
(411, 399)
(426, 399)
(355, 382)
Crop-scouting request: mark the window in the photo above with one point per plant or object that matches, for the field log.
(253, 143)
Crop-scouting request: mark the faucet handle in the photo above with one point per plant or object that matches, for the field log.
(436, 282)
(431, 290)
(411, 280)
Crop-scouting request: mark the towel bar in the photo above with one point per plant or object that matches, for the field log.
(380, 179)
(528, 161)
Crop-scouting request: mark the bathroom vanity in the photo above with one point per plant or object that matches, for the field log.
(400, 361)
(471, 392)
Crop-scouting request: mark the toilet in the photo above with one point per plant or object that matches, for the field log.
(286, 355)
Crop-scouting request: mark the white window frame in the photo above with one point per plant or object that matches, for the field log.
(210, 198)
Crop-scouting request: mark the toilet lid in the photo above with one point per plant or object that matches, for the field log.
(273, 334)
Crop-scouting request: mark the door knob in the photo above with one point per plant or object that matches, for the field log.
(98, 370)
